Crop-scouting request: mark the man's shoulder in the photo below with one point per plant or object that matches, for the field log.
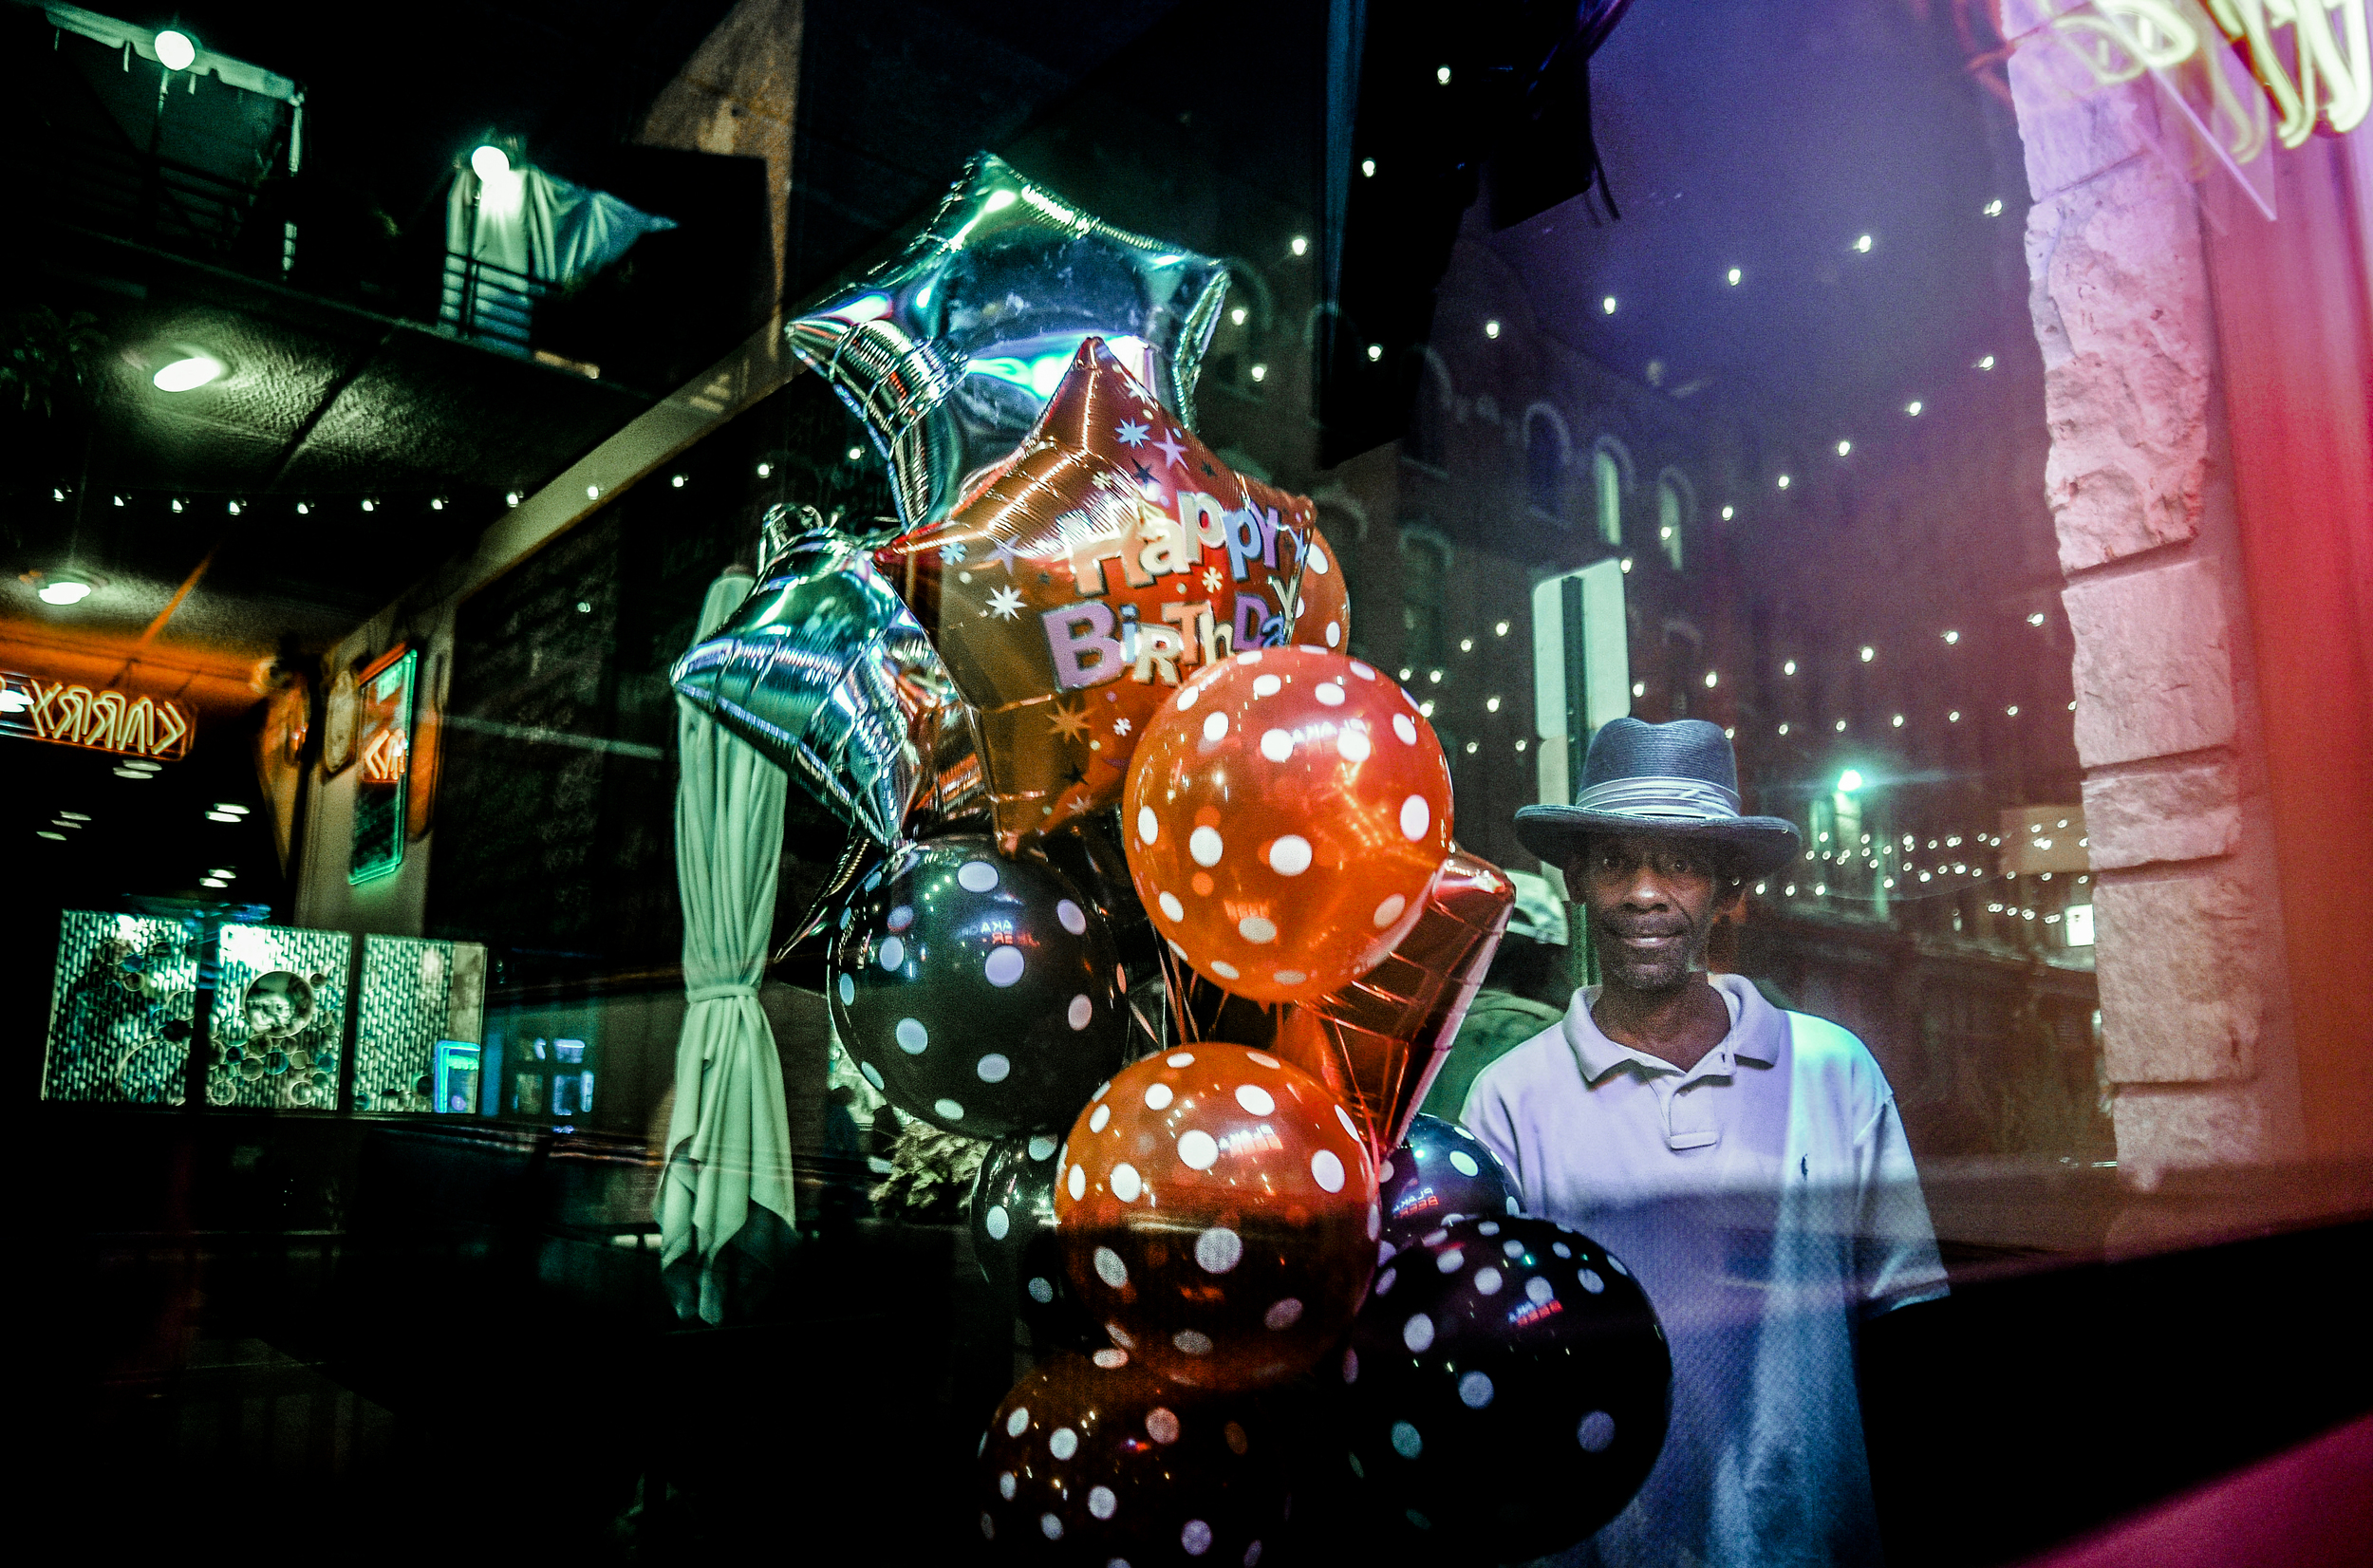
(1832, 1053)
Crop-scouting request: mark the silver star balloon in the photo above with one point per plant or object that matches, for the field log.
(826, 672)
(948, 352)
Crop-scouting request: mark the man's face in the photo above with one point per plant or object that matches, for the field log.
(1652, 902)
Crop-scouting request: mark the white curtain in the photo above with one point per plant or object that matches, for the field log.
(724, 1207)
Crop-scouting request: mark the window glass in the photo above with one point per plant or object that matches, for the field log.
(562, 610)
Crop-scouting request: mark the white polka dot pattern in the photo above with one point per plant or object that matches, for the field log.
(1268, 818)
(1249, 1163)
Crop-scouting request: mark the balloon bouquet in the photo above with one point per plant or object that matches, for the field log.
(1086, 615)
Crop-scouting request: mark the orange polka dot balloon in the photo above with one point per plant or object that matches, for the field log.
(1286, 812)
(1217, 1211)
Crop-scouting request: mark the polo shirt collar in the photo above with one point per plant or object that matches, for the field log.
(1756, 1032)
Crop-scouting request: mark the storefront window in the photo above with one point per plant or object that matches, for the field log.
(536, 589)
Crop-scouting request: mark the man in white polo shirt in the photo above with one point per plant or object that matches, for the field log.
(1746, 1163)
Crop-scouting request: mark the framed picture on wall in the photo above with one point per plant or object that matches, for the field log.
(382, 758)
(337, 706)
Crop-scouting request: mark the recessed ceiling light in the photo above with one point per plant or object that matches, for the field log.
(189, 372)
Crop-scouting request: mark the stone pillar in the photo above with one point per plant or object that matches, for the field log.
(2196, 1010)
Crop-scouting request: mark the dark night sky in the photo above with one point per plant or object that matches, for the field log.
(1768, 134)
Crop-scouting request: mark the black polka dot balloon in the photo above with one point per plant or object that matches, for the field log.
(1441, 1170)
(1095, 1462)
(1013, 1239)
(1504, 1390)
(977, 993)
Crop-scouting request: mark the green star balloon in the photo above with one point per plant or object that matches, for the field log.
(948, 352)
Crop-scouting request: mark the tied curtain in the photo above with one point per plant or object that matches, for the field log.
(724, 1206)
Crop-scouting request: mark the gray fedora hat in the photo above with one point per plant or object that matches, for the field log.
(1680, 778)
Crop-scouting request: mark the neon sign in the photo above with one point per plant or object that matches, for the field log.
(64, 713)
(2327, 74)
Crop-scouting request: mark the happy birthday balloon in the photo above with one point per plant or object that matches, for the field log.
(824, 671)
(1084, 583)
(1286, 813)
(1094, 1462)
(1437, 1172)
(1322, 603)
(1504, 1393)
(949, 352)
(1378, 1041)
(1217, 1211)
(976, 993)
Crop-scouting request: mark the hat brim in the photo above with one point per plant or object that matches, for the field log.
(1764, 843)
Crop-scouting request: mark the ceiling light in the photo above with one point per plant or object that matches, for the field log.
(1953, 717)
(1993, 208)
(2036, 619)
(1442, 75)
(187, 373)
(2013, 711)
(1844, 447)
(1863, 244)
(1912, 408)
(1783, 481)
(1499, 630)
(1491, 330)
(676, 483)
(301, 509)
(85, 817)
(1434, 675)
(765, 470)
(223, 872)
(176, 50)
(1729, 512)
(1869, 653)
(231, 507)
(222, 817)
(1607, 304)
(1300, 245)
(1784, 729)
(1986, 364)
(1710, 677)
(369, 505)
(46, 833)
(1734, 278)
(1788, 668)
(230, 806)
(131, 772)
(212, 882)
(1466, 644)
(176, 506)
(511, 497)
(1842, 726)
(1259, 372)
(1627, 564)
(1953, 637)
(490, 163)
(64, 590)
(1898, 721)
(437, 503)
(1367, 167)
(1639, 688)
(1491, 704)
(1376, 352)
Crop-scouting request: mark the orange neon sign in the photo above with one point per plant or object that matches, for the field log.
(105, 721)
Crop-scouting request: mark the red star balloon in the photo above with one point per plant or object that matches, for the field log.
(1378, 1042)
(1286, 813)
(1217, 1212)
(1074, 591)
